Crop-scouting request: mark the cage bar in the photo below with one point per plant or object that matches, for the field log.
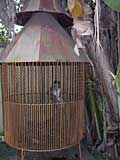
(43, 108)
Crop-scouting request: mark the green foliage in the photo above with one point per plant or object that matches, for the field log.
(98, 156)
(117, 80)
(93, 109)
(1, 134)
(92, 5)
(3, 35)
(19, 6)
(113, 4)
(2, 158)
(117, 85)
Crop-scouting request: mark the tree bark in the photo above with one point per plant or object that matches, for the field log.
(103, 69)
(105, 59)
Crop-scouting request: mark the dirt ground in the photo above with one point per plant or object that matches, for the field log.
(8, 153)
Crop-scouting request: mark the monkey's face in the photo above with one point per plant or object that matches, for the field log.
(56, 92)
(57, 85)
(57, 89)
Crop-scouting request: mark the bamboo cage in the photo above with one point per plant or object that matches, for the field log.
(43, 88)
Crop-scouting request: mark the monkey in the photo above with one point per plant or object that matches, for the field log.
(55, 92)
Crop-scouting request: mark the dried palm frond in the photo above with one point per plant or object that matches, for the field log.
(97, 24)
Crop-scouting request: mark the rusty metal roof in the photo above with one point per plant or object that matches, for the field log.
(43, 5)
(43, 40)
(51, 6)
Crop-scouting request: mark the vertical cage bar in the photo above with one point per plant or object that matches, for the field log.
(40, 121)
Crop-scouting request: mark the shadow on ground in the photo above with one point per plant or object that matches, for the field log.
(8, 153)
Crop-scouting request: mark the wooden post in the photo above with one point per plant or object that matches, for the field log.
(22, 155)
(80, 151)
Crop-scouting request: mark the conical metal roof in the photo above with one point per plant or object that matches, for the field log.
(51, 6)
(41, 40)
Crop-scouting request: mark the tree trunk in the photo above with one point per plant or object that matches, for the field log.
(103, 69)
(105, 59)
